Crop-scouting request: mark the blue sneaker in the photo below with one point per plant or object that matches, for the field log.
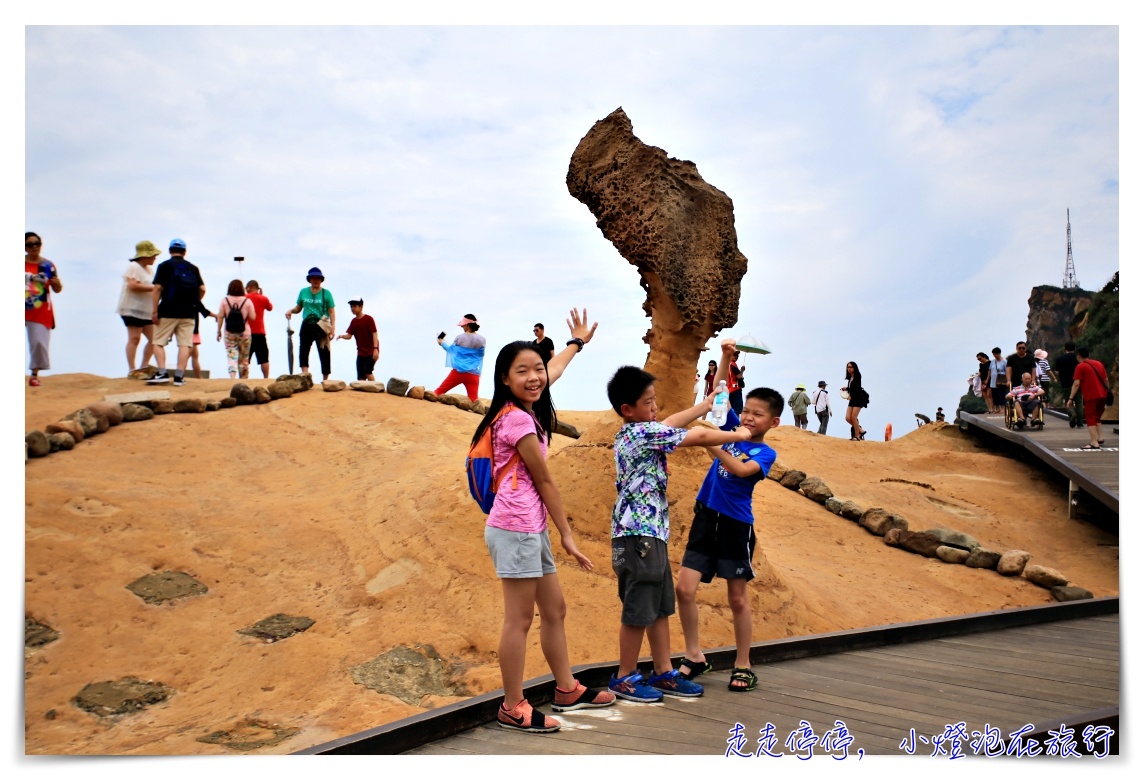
(673, 683)
(634, 688)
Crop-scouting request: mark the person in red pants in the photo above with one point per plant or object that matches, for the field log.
(464, 357)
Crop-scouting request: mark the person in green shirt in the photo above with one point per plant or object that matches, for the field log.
(316, 305)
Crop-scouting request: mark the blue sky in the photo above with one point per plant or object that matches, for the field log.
(897, 190)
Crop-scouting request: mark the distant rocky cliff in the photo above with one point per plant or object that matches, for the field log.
(1057, 315)
(1054, 316)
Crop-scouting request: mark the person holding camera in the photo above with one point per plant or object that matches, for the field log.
(464, 357)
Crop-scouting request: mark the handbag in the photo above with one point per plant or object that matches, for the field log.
(1110, 398)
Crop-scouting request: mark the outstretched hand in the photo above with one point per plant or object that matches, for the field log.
(569, 545)
(728, 346)
(578, 325)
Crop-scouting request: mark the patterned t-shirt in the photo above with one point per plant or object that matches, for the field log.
(641, 479)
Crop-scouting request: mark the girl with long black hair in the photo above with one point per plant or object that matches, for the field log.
(522, 419)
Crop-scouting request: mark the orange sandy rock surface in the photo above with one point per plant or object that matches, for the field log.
(351, 509)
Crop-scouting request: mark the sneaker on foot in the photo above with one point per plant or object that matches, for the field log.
(634, 688)
(179, 381)
(581, 697)
(523, 717)
(673, 683)
(34, 382)
(159, 379)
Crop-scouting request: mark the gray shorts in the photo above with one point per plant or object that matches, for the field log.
(646, 589)
(517, 555)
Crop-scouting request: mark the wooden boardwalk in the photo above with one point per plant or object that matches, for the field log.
(1096, 472)
(1045, 666)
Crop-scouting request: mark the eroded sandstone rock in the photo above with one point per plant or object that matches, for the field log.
(678, 231)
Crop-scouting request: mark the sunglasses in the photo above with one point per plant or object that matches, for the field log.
(32, 243)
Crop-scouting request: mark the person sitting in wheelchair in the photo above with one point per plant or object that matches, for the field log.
(1026, 398)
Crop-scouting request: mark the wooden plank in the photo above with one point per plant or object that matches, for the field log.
(1102, 659)
(914, 700)
(953, 684)
(1040, 678)
(1036, 638)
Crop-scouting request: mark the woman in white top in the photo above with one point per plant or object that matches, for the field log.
(234, 315)
(135, 304)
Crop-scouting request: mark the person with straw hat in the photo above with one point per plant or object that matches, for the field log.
(798, 403)
(135, 303)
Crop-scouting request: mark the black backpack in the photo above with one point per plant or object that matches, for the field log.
(234, 319)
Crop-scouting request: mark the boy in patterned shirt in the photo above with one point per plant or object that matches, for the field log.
(640, 529)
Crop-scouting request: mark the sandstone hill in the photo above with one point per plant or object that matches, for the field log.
(350, 510)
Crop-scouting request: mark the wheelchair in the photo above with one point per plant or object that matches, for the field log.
(1035, 419)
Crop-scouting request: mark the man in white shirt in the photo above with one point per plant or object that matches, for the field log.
(821, 401)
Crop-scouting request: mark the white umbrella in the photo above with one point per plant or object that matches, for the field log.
(749, 343)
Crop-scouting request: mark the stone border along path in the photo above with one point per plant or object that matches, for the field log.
(98, 417)
(111, 698)
(942, 543)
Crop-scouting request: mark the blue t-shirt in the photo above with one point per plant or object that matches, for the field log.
(730, 495)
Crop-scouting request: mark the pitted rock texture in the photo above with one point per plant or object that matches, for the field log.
(677, 230)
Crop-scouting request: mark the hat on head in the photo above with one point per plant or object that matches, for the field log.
(315, 271)
(357, 302)
(1040, 354)
(822, 383)
(178, 243)
(146, 249)
(467, 319)
(800, 386)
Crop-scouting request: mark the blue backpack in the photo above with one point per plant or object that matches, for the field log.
(484, 479)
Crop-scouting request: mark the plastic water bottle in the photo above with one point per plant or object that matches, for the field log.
(721, 404)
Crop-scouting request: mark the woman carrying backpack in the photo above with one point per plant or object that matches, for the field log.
(234, 315)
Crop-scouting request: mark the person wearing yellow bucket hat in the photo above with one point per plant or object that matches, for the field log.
(798, 403)
(135, 302)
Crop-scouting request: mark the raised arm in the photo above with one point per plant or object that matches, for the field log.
(727, 348)
(578, 326)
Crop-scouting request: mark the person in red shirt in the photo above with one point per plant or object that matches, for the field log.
(1091, 380)
(258, 348)
(41, 279)
(363, 329)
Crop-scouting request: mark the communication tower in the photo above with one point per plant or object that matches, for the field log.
(1070, 281)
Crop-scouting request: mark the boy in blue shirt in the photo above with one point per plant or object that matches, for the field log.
(722, 538)
(640, 529)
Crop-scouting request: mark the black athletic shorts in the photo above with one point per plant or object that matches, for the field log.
(644, 574)
(719, 545)
(259, 352)
(135, 322)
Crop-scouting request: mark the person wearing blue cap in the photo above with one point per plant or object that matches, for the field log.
(177, 293)
(316, 305)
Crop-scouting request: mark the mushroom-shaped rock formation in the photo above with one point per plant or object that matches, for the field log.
(678, 231)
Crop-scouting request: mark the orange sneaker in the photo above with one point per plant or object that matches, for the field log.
(523, 717)
(580, 697)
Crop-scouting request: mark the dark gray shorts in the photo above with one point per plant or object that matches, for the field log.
(646, 588)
